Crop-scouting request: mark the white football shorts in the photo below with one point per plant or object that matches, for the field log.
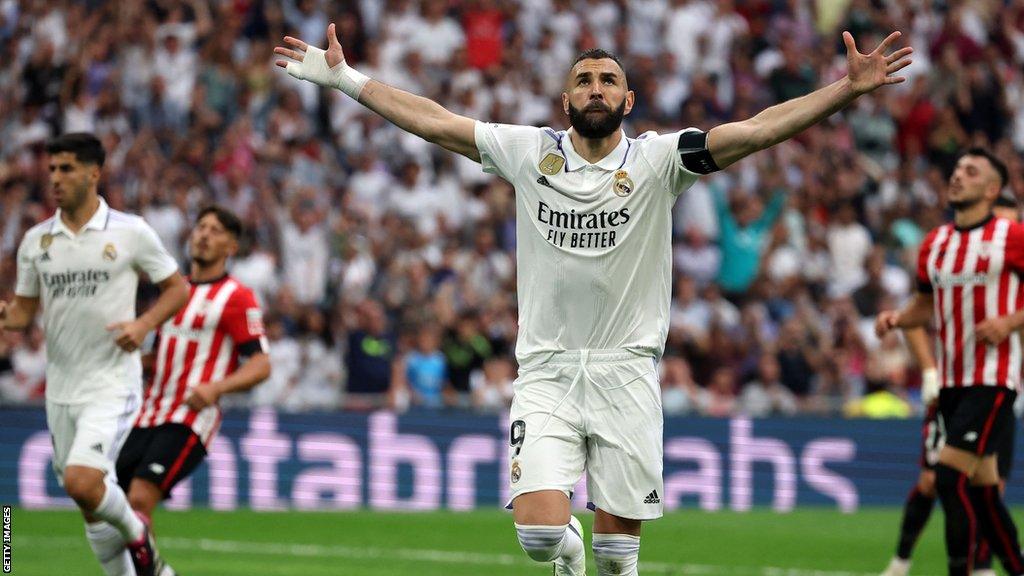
(596, 410)
(91, 433)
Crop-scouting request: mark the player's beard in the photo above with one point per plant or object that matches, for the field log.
(601, 127)
(201, 262)
(965, 204)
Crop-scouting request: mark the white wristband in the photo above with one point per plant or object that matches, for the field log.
(929, 385)
(314, 68)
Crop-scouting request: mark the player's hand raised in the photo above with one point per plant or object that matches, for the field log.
(129, 335)
(311, 63)
(993, 330)
(886, 321)
(203, 396)
(870, 71)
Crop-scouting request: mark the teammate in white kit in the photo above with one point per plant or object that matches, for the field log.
(593, 210)
(213, 346)
(83, 266)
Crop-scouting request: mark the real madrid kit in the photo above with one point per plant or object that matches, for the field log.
(594, 285)
(86, 281)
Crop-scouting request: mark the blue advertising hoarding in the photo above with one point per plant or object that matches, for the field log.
(266, 460)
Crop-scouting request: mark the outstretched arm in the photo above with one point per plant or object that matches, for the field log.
(865, 73)
(416, 114)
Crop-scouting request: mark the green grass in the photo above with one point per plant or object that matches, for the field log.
(808, 542)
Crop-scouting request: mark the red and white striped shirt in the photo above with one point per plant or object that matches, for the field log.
(201, 344)
(973, 274)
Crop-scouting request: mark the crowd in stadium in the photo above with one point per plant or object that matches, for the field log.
(386, 265)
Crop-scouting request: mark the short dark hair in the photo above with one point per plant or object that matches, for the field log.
(86, 147)
(597, 54)
(227, 219)
(1004, 174)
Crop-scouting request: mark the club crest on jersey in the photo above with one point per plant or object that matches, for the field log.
(517, 472)
(109, 252)
(623, 185)
(551, 164)
(45, 241)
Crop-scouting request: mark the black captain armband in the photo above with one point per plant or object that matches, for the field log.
(250, 348)
(693, 151)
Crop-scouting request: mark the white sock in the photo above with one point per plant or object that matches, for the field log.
(616, 554)
(548, 543)
(114, 509)
(108, 546)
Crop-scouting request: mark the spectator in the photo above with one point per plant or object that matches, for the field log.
(849, 244)
(678, 390)
(719, 397)
(421, 374)
(466, 351)
(766, 396)
(744, 235)
(23, 381)
(369, 352)
(492, 385)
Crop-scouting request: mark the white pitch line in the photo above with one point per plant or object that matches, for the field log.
(426, 555)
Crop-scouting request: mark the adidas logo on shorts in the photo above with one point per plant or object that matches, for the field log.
(652, 498)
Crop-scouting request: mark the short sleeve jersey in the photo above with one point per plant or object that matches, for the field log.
(85, 282)
(203, 343)
(973, 274)
(593, 240)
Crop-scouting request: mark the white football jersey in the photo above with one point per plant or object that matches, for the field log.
(594, 241)
(85, 282)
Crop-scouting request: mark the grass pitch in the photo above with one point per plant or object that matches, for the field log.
(808, 542)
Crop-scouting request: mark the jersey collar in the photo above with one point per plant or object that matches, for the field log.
(98, 221)
(615, 159)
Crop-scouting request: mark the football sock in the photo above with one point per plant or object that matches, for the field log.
(961, 526)
(916, 512)
(616, 554)
(114, 509)
(982, 553)
(108, 546)
(998, 527)
(548, 543)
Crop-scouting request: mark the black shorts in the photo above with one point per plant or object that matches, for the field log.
(933, 438)
(979, 419)
(163, 455)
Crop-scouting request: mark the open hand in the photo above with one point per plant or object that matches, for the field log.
(870, 71)
(312, 63)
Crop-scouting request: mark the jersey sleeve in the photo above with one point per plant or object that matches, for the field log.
(924, 281)
(504, 147)
(151, 256)
(28, 277)
(662, 152)
(243, 322)
(1015, 248)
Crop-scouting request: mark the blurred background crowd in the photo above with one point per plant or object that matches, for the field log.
(386, 265)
